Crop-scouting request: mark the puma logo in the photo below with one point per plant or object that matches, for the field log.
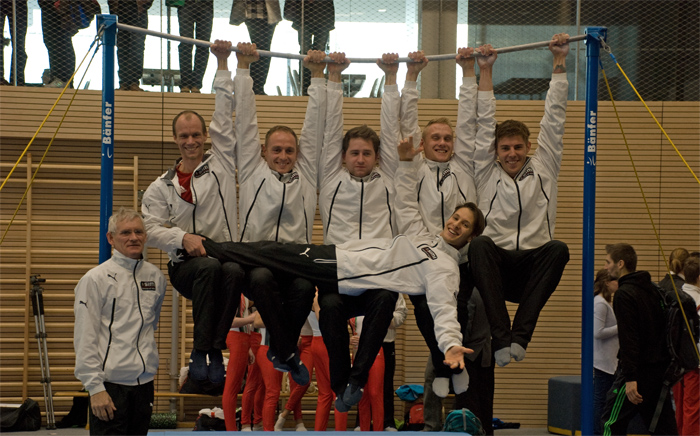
(113, 277)
(82, 302)
(305, 251)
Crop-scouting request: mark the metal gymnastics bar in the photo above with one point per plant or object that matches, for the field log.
(265, 53)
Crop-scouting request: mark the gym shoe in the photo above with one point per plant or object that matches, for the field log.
(56, 83)
(198, 365)
(300, 427)
(216, 371)
(184, 89)
(297, 370)
(278, 364)
(279, 425)
(135, 87)
(246, 428)
(352, 394)
(195, 90)
(390, 428)
(258, 427)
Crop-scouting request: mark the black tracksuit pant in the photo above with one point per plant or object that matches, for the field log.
(526, 277)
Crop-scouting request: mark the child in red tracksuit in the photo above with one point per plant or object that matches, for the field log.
(272, 379)
(297, 391)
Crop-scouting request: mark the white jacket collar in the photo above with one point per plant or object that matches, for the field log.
(123, 261)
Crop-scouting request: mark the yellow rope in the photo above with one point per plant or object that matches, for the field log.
(657, 122)
(47, 117)
(75, 92)
(646, 204)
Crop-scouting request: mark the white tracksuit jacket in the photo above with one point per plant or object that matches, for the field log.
(415, 263)
(273, 206)
(442, 186)
(212, 212)
(521, 212)
(354, 208)
(117, 306)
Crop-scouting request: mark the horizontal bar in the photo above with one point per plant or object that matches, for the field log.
(265, 53)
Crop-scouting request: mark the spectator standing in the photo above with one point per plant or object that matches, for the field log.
(605, 344)
(261, 18)
(130, 45)
(195, 19)
(18, 34)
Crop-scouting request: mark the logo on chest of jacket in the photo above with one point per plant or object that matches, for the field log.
(148, 286)
(375, 175)
(293, 176)
(201, 171)
(430, 253)
(445, 174)
(527, 173)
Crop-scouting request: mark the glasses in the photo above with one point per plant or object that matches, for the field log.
(136, 232)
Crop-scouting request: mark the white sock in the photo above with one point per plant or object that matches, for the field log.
(279, 425)
(502, 356)
(441, 386)
(460, 382)
(517, 352)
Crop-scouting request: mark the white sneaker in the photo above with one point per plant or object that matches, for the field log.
(301, 427)
(258, 427)
(357, 428)
(246, 428)
(390, 429)
(279, 425)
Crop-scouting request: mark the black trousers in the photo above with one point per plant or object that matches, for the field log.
(312, 38)
(133, 415)
(377, 306)
(58, 42)
(527, 277)
(426, 325)
(619, 411)
(130, 45)
(389, 349)
(284, 303)
(17, 37)
(261, 34)
(195, 19)
(315, 263)
(215, 290)
(479, 397)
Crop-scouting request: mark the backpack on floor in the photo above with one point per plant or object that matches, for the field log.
(463, 421)
(26, 417)
(414, 418)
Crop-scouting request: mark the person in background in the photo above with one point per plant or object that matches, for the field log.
(195, 19)
(313, 20)
(643, 356)
(130, 45)
(686, 392)
(605, 344)
(17, 36)
(117, 307)
(676, 261)
(389, 349)
(261, 18)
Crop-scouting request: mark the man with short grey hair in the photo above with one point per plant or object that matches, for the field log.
(117, 306)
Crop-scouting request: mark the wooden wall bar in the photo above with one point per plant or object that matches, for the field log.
(65, 204)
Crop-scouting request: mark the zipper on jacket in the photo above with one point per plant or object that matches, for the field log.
(549, 228)
(388, 207)
(138, 303)
(330, 209)
(223, 205)
(495, 194)
(520, 214)
(250, 209)
(109, 341)
(442, 197)
(362, 200)
(279, 218)
(194, 211)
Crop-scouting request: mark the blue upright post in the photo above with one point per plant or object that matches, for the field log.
(107, 173)
(592, 41)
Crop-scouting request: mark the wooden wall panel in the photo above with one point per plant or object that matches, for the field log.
(65, 222)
